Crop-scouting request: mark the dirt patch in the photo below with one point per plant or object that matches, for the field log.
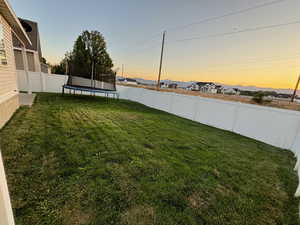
(224, 191)
(76, 216)
(139, 214)
(197, 201)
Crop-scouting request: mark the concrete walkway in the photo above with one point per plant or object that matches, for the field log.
(26, 99)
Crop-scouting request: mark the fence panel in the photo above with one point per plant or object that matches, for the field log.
(184, 106)
(35, 81)
(273, 126)
(216, 113)
(55, 82)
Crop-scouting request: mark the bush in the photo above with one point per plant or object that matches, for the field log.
(260, 98)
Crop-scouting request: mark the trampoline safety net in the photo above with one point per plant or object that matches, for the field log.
(85, 79)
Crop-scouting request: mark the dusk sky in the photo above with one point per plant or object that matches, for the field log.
(133, 30)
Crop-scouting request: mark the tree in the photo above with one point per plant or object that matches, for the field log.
(89, 56)
(61, 68)
(58, 69)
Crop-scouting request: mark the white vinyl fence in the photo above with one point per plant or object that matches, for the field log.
(277, 127)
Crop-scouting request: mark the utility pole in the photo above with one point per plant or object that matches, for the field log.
(122, 70)
(161, 59)
(295, 91)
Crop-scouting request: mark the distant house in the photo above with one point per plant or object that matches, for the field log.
(173, 86)
(164, 85)
(205, 87)
(219, 89)
(128, 81)
(168, 85)
(33, 51)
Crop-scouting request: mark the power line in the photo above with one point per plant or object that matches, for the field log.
(241, 31)
(241, 11)
(260, 61)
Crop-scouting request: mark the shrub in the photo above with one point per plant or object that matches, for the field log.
(260, 98)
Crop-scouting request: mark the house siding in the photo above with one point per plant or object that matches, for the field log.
(8, 78)
(8, 108)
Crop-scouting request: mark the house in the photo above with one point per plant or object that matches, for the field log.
(10, 26)
(205, 87)
(219, 89)
(33, 51)
(173, 86)
(164, 85)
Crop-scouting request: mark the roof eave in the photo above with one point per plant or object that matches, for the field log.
(14, 22)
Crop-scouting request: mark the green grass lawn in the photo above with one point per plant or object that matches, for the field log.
(78, 160)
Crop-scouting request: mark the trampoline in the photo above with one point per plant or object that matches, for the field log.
(94, 84)
(107, 93)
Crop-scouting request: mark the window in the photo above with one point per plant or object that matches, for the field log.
(3, 58)
(19, 59)
(30, 60)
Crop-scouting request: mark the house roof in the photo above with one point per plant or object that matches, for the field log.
(10, 16)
